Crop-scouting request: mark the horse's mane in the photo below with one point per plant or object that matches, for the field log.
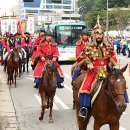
(53, 67)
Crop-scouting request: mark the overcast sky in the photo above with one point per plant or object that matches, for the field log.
(5, 5)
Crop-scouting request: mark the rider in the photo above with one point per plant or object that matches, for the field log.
(98, 54)
(37, 41)
(26, 41)
(80, 46)
(10, 45)
(47, 50)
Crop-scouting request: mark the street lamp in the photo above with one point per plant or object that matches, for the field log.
(107, 21)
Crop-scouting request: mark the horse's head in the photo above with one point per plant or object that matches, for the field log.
(52, 73)
(117, 87)
(15, 55)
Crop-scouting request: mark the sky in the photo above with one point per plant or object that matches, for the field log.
(5, 5)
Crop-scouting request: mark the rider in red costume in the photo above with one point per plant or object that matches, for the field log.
(98, 54)
(80, 47)
(37, 41)
(47, 50)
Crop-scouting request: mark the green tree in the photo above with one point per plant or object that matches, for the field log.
(86, 6)
(118, 18)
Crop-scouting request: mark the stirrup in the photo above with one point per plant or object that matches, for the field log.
(83, 112)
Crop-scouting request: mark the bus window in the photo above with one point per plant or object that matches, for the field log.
(68, 34)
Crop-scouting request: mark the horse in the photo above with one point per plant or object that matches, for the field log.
(12, 66)
(108, 105)
(47, 88)
(28, 53)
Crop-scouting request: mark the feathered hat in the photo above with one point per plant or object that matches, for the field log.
(98, 28)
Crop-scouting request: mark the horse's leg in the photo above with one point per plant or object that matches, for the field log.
(27, 62)
(97, 125)
(114, 126)
(43, 101)
(19, 71)
(12, 74)
(51, 106)
(15, 75)
(24, 67)
(73, 101)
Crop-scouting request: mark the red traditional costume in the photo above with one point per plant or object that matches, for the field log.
(50, 50)
(99, 56)
(80, 47)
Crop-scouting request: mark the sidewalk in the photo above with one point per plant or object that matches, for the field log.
(8, 119)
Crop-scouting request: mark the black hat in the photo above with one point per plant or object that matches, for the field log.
(48, 33)
(42, 30)
(27, 33)
(11, 35)
(86, 32)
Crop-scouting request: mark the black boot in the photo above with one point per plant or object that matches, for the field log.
(60, 85)
(83, 112)
(36, 86)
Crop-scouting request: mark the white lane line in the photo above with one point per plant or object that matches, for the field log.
(70, 89)
(61, 103)
(67, 76)
(39, 100)
(29, 78)
(122, 128)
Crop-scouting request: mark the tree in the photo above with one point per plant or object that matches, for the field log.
(86, 6)
(118, 18)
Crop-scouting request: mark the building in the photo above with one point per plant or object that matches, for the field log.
(51, 10)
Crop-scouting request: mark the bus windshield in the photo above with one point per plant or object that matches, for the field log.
(68, 34)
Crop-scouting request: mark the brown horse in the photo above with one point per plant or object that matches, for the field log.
(109, 104)
(12, 66)
(47, 88)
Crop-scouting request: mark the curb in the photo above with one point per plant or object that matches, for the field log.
(8, 119)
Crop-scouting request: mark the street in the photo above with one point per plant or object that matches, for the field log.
(27, 104)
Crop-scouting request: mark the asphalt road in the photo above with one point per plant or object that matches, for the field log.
(27, 104)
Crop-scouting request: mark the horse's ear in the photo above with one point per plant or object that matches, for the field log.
(108, 68)
(124, 68)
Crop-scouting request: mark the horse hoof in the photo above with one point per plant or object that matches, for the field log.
(51, 121)
(40, 118)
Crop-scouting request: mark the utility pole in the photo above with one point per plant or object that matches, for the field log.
(70, 9)
(107, 21)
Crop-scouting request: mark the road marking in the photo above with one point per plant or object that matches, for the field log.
(70, 89)
(56, 99)
(67, 76)
(39, 100)
(122, 128)
(61, 103)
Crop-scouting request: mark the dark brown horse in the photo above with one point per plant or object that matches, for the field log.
(12, 66)
(109, 104)
(47, 88)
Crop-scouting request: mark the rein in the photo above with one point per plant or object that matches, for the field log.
(116, 94)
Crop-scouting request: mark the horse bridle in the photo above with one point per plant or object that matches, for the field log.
(114, 95)
(50, 81)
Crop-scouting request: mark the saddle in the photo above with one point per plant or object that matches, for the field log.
(96, 90)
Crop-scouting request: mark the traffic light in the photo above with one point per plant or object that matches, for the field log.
(28, 0)
(56, 1)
